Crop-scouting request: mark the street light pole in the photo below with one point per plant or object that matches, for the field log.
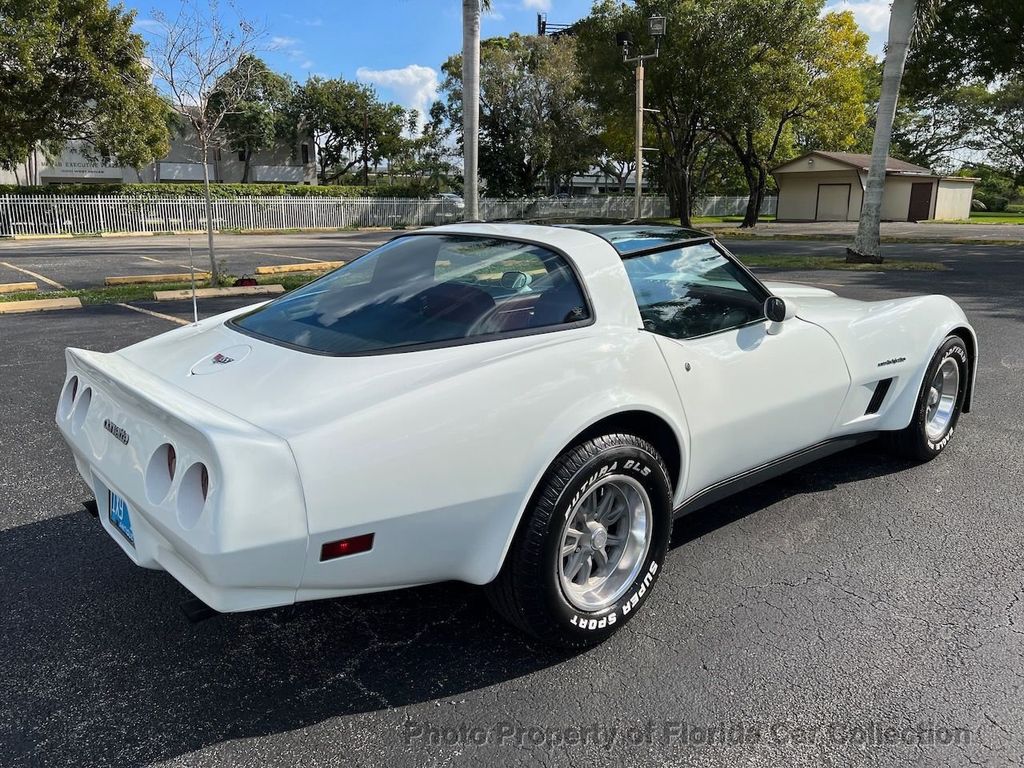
(638, 192)
(656, 28)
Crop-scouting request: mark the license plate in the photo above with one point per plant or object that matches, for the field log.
(120, 517)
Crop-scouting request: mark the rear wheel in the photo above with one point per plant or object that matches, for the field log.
(591, 544)
(938, 404)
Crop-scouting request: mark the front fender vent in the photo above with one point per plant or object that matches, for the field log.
(881, 390)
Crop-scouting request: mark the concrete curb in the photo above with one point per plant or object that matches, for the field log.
(206, 293)
(38, 305)
(182, 277)
(18, 287)
(312, 266)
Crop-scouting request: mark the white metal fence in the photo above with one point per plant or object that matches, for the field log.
(92, 214)
(717, 205)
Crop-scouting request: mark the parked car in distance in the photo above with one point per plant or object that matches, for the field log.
(519, 406)
(450, 198)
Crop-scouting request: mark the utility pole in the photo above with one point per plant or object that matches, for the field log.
(656, 28)
(366, 149)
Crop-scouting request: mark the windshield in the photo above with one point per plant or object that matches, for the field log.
(426, 289)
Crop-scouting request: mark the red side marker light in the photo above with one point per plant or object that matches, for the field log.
(335, 549)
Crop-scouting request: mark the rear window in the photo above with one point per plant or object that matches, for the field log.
(426, 290)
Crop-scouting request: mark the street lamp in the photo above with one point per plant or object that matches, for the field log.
(656, 26)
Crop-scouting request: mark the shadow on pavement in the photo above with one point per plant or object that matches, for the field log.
(100, 667)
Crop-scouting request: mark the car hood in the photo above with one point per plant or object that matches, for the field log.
(794, 290)
(286, 391)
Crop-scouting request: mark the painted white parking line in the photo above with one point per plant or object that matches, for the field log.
(158, 315)
(160, 261)
(284, 256)
(37, 276)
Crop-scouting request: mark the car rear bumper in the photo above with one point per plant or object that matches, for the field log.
(241, 547)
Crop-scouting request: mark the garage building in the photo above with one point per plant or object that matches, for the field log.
(829, 186)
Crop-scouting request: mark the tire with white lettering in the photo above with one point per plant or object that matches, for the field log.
(938, 405)
(591, 544)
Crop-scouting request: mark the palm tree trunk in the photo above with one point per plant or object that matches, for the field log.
(470, 105)
(865, 246)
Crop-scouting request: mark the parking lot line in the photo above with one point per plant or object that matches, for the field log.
(30, 273)
(285, 256)
(158, 315)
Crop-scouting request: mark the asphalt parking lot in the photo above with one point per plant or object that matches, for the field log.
(86, 262)
(824, 618)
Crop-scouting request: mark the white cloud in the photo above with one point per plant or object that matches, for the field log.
(148, 25)
(415, 86)
(537, 5)
(292, 48)
(283, 43)
(872, 16)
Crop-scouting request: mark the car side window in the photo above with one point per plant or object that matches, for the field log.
(692, 291)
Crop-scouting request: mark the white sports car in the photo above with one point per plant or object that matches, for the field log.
(526, 407)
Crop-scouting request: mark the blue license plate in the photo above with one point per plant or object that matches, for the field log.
(120, 517)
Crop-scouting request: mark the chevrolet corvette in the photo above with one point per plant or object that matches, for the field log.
(526, 407)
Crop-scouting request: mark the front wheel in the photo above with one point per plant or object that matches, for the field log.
(938, 404)
(591, 544)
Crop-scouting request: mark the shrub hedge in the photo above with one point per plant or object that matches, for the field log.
(220, 191)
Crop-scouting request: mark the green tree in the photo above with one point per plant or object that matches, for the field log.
(74, 70)
(1003, 127)
(706, 54)
(351, 126)
(806, 80)
(967, 40)
(264, 116)
(930, 129)
(535, 123)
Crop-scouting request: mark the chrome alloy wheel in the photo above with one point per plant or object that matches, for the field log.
(942, 398)
(604, 543)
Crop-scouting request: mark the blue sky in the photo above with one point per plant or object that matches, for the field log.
(399, 45)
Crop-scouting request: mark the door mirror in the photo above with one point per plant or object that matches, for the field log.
(777, 310)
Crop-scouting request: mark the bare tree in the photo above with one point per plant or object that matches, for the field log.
(204, 63)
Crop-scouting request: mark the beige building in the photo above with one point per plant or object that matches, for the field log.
(829, 186)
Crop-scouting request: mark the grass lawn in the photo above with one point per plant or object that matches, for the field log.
(986, 217)
(785, 261)
(117, 294)
(699, 220)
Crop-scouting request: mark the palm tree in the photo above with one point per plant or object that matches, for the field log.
(904, 17)
(471, 102)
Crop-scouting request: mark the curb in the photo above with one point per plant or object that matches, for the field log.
(126, 234)
(183, 277)
(18, 287)
(38, 305)
(206, 293)
(312, 266)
